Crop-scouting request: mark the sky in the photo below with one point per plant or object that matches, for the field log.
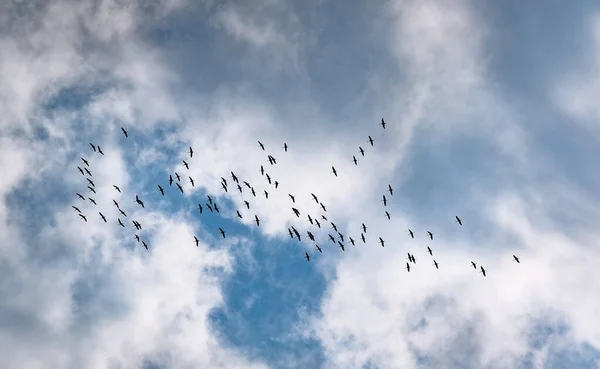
(492, 116)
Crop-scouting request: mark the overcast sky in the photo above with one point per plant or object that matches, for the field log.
(492, 112)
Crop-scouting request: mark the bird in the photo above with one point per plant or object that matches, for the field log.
(354, 160)
(85, 162)
(436, 264)
(285, 147)
(323, 207)
(341, 236)
(261, 145)
(315, 197)
(352, 241)
(482, 271)
(186, 164)
(83, 217)
(191, 181)
(310, 235)
(362, 151)
(516, 259)
(100, 150)
(276, 184)
(81, 170)
(170, 180)
(137, 199)
(200, 208)
(137, 225)
(317, 221)
(224, 186)
(247, 204)
(137, 238)
(364, 227)
(382, 242)
(116, 203)
(407, 267)
(117, 188)
(341, 245)
(310, 219)
(88, 172)
(216, 208)
(331, 238)
(80, 195)
(91, 182)
(124, 132)
(474, 265)
(333, 226)
(429, 250)
(272, 160)
(266, 194)
(362, 236)
(178, 178)
(291, 234)
(382, 123)
(191, 152)
(334, 171)
(253, 193)
(410, 232)
(144, 243)
(102, 216)
(391, 190)
(257, 220)
(387, 214)
(292, 197)
(76, 208)
(262, 171)
(197, 240)
(324, 218)
(318, 248)
(371, 140)
(93, 147)
(209, 208)
(91, 189)
(239, 188)
(297, 212)
(307, 257)
(120, 223)
(458, 220)
(180, 188)
(268, 178)
(384, 201)
(238, 214)
(122, 213)
(161, 190)
(430, 235)
(209, 199)
(222, 232)
(92, 201)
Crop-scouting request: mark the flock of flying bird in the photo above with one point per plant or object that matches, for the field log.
(212, 206)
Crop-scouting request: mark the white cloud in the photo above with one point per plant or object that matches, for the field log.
(575, 93)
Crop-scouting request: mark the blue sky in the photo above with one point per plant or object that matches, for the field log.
(492, 116)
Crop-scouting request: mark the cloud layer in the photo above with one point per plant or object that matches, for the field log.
(220, 77)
